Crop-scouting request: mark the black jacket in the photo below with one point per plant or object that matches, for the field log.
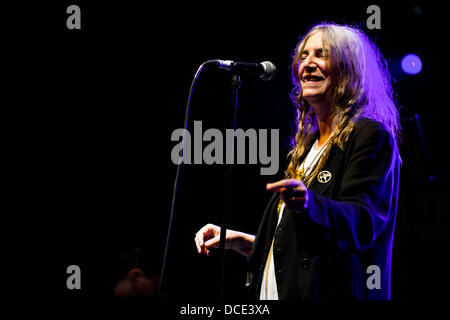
(325, 252)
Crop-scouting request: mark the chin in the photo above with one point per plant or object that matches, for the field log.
(313, 97)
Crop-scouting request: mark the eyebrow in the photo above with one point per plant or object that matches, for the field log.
(318, 50)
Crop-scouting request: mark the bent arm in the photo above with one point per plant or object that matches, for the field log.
(364, 204)
(209, 237)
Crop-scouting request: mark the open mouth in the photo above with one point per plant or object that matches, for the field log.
(311, 78)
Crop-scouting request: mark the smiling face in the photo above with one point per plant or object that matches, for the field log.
(313, 70)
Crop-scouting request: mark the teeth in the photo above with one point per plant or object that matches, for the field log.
(313, 79)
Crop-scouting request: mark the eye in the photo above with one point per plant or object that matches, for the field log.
(320, 53)
(324, 53)
(303, 55)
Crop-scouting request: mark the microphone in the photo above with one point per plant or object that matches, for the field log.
(266, 70)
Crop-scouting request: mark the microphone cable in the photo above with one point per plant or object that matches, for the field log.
(177, 177)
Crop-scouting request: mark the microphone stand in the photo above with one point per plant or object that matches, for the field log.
(235, 83)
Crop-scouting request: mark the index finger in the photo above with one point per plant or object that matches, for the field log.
(285, 183)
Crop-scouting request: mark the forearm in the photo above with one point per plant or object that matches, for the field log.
(242, 243)
(353, 223)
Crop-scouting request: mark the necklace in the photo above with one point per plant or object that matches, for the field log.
(305, 171)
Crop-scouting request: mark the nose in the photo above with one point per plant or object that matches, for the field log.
(309, 65)
(310, 68)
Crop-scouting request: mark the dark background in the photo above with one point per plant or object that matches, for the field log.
(93, 111)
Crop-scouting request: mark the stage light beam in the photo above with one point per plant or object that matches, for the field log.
(411, 64)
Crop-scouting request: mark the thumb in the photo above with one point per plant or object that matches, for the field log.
(214, 242)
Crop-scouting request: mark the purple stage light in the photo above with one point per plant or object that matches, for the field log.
(411, 64)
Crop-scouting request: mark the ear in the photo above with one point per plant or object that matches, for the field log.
(134, 274)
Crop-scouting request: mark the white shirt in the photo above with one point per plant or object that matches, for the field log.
(269, 291)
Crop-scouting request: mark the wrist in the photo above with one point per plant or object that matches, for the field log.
(242, 243)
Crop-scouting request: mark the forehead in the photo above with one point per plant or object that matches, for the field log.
(314, 41)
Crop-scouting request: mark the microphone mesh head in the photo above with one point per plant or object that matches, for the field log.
(269, 71)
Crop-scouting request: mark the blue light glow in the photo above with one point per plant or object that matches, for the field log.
(411, 64)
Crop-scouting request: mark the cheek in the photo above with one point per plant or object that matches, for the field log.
(300, 71)
(329, 82)
(324, 68)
